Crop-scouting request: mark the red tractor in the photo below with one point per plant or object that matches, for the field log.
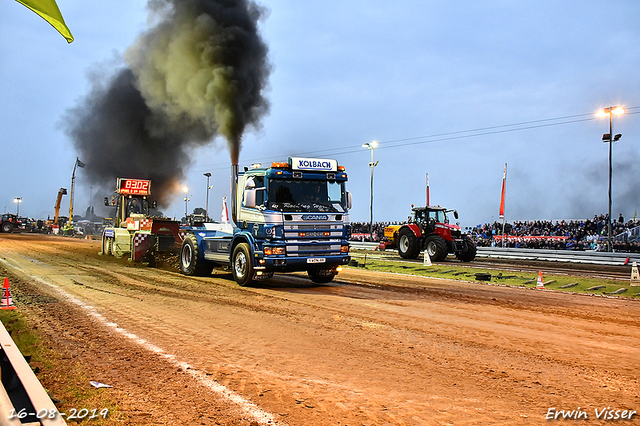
(429, 230)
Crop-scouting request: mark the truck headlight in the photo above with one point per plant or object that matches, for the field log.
(271, 251)
(344, 249)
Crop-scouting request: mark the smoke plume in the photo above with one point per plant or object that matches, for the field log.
(199, 72)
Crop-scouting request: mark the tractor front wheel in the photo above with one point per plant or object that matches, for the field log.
(106, 246)
(436, 248)
(469, 252)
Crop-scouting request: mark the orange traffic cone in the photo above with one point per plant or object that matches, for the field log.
(540, 283)
(7, 301)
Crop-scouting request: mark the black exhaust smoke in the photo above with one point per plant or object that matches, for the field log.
(198, 73)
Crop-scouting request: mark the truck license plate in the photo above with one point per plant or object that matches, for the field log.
(316, 260)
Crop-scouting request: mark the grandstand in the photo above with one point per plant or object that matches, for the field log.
(574, 234)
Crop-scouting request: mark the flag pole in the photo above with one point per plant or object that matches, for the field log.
(502, 199)
(427, 189)
(73, 181)
(77, 164)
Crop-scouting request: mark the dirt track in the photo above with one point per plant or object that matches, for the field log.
(368, 349)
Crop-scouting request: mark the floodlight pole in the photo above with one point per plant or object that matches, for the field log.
(371, 146)
(609, 230)
(610, 139)
(186, 201)
(17, 200)
(206, 207)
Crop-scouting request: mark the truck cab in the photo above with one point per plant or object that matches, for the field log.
(290, 216)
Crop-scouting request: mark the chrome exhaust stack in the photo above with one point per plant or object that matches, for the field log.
(234, 193)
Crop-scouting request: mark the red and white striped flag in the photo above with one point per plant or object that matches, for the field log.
(504, 185)
(225, 213)
(428, 189)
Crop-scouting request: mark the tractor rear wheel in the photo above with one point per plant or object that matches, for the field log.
(407, 244)
(436, 247)
(469, 252)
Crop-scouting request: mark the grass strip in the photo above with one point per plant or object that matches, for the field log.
(566, 283)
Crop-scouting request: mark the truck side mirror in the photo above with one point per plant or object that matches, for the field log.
(349, 200)
(254, 197)
(106, 201)
(250, 198)
(455, 214)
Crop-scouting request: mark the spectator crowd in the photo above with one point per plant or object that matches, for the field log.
(583, 234)
(361, 231)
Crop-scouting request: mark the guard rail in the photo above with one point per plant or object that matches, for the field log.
(569, 256)
(23, 400)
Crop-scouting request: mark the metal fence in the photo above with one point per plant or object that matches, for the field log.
(570, 256)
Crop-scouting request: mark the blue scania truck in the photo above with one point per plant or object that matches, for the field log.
(290, 216)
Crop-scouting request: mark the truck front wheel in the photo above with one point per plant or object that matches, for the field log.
(242, 264)
(321, 276)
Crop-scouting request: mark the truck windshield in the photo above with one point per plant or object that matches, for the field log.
(306, 196)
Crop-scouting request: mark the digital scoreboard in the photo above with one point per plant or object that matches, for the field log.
(134, 186)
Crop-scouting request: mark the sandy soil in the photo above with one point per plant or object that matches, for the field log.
(367, 349)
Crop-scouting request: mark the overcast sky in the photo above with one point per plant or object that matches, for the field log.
(452, 89)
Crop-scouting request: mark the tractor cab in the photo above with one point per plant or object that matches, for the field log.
(427, 217)
(137, 205)
(131, 200)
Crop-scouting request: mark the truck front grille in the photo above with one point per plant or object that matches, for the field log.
(313, 239)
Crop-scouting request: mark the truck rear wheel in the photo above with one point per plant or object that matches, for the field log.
(7, 227)
(436, 248)
(469, 252)
(242, 264)
(407, 244)
(190, 261)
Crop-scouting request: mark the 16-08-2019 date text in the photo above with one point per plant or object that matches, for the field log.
(71, 414)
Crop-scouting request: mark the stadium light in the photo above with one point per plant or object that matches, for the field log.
(607, 138)
(206, 206)
(371, 146)
(17, 200)
(186, 201)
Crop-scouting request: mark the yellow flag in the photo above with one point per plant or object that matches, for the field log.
(48, 10)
